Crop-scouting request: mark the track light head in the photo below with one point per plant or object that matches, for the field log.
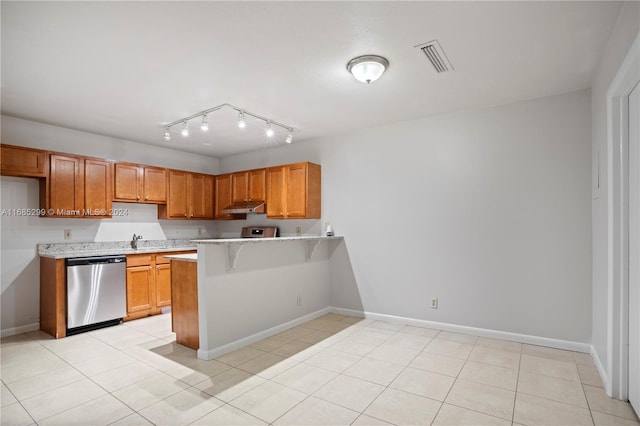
(204, 126)
(289, 138)
(268, 130)
(167, 134)
(185, 128)
(241, 123)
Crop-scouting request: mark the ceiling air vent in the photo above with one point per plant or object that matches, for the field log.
(434, 53)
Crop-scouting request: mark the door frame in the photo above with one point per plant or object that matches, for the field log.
(618, 223)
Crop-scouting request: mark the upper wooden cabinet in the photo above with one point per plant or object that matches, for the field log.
(200, 196)
(190, 196)
(223, 196)
(98, 188)
(294, 191)
(23, 162)
(77, 187)
(62, 193)
(248, 186)
(135, 183)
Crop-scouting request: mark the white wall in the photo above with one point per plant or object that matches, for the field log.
(261, 294)
(20, 270)
(621, 38)
(488, 210)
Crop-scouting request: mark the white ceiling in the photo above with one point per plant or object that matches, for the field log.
(124, 69)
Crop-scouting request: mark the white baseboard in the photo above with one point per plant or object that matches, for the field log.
(601, 370)
(237, 344)
(475, 331)
(6, 332)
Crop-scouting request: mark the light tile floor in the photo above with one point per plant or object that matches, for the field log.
(334, 370)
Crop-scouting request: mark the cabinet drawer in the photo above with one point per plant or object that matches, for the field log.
(139, 259)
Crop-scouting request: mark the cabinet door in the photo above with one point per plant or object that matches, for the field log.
(296, 190)
(177, 204)
(98, 192)
(239, 187)
(66, 185)
(223, 196)
(163, 285)
(17, 161)
(155, 185)
(139, 288)
(257, 187)
(275, 192)
(201, 196)
(128, 182)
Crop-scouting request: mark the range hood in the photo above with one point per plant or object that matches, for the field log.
(244, 208)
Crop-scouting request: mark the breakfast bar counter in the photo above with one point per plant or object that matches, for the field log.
(251, 288)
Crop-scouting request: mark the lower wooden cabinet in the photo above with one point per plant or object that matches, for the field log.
(148, 284)
(163, 284)
(184, 311)
(140, 288)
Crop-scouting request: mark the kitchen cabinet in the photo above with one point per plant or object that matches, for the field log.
(248, 186)
(148, 284)
(62, 192)
(184, 311)
(22, 162)
(190, 196)
(98, 188)
(136, 183)
(163, 281)
(294, 191)
(223, 197)
(53, 297)
(77, 187)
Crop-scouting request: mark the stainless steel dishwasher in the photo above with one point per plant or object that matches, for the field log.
(96, 292)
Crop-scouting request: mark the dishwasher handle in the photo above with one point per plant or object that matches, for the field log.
(95, 260)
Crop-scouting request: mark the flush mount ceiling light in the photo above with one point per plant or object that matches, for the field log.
(367, 68)
(269, 123)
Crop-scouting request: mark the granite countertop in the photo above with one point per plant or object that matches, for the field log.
(193, 257)
(108, 248)
(223, 241)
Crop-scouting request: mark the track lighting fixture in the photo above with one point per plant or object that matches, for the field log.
(268, 130)
(269, 123)
(241, 123)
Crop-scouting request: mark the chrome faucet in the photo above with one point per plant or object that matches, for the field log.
(134, 241)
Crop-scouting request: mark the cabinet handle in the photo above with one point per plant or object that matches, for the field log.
(281, 214)
(138, 197)
(249, 199)
(158, 267)
(185, 215)
(146, 198)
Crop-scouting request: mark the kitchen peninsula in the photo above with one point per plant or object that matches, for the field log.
(249, 289)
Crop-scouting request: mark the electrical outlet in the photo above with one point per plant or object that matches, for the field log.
(199, 231)
(299, 301)
(298, 230)
(434, 303)
(67, 234)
